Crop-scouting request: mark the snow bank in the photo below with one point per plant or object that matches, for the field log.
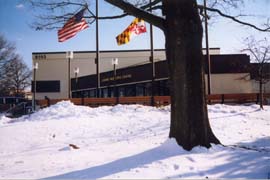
(131, 141)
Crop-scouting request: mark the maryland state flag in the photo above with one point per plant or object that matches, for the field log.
(135, 28)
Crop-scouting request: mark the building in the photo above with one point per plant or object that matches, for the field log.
(229, 74)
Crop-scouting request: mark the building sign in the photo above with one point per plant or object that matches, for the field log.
(40, 56)
(135, 74)
(119, 77)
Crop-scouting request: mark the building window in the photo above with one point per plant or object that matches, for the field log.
(104, 92)
(111, 91)
(148, 89)
(46, 86)
(130, 90)
(163, 88)
(85, 93)
(92, 93)
(121, 91)
(76, 94)
(140, 89)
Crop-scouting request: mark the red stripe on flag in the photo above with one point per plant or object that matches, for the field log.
(71, 28)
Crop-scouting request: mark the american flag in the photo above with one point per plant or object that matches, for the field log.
(72, 26)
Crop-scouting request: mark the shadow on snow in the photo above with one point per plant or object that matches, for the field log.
(161, 152)
(238, 162)
(241, 161)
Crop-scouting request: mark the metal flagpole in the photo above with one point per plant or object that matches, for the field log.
(69, 56)
(152, 62)
(69, 86)
(97, 54)
(207, 50)
(35, 85)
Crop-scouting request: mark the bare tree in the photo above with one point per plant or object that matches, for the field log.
(7, 53)
(181, 23)
(259, 51)
(7, 50)
(17, 76)
(14, 74)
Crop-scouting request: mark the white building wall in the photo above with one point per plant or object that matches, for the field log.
(49, 71)
(230, 83)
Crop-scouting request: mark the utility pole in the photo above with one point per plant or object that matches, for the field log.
(76, 72)
(35, 86)
(152, 62)
(207, 50)
(115, 93)
(97, 54)
(69, 86)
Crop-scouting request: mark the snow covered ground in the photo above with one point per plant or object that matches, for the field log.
(131, 141)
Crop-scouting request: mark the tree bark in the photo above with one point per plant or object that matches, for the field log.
(189, 117)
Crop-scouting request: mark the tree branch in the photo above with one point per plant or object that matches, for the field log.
(149, 5)
(155, 8)
(132, 10)
(267, 29)
(114, 17)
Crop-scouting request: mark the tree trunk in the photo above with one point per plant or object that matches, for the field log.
(189, 117)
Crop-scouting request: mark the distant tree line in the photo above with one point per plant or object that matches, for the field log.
(15, 76)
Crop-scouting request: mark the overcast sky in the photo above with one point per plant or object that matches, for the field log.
(15, 19)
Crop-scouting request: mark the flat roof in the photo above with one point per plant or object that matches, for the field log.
(110, 51)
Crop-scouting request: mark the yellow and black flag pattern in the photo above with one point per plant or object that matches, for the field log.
(135, 28)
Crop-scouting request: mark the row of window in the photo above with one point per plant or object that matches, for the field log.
(161, 88)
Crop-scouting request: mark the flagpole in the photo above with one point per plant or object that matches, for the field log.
(69, 85)
(207, 50)
(97, 54)
(152, 61)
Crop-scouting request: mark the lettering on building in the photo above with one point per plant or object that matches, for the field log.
(40, 56)
(126, 76)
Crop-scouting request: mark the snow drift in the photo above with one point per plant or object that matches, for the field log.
(131, 141)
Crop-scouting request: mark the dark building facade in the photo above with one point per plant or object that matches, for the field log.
(136, 80)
